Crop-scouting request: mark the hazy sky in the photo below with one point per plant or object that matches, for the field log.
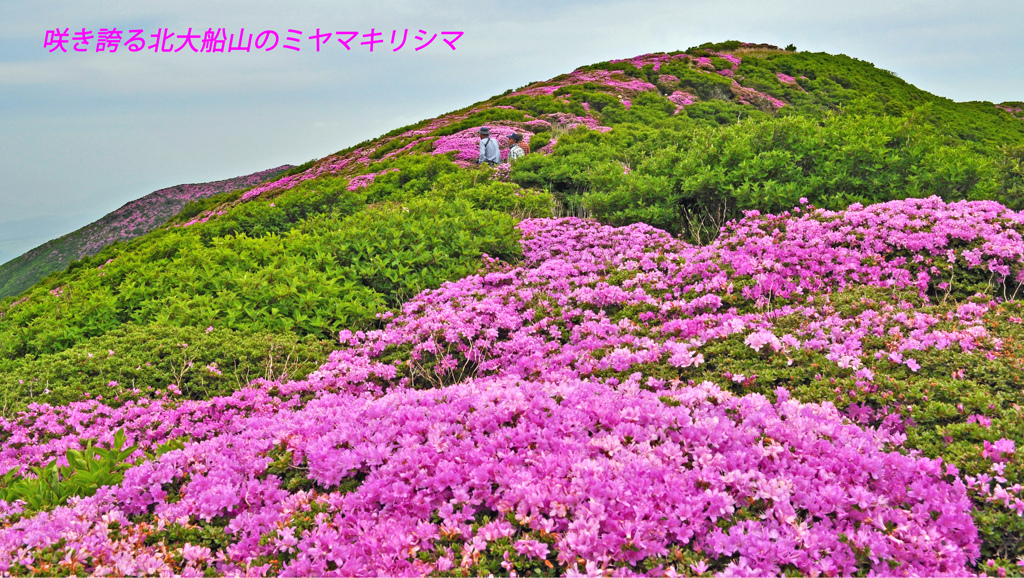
(83, 133)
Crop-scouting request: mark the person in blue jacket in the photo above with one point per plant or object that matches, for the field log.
(489, 151)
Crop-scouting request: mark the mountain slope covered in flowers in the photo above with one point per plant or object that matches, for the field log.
(576, 413)
(787, 341)
(135, 218)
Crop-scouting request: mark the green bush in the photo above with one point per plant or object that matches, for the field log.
(507, 198)
(480, 118)
(539, 141)
(535, 105)
(136, 360)
(722, 113)
(707, 86)
(88, 470)
(309, 198)
(768, 166)
(647, 108)
(415, 175)
(300, 266)
(1011, 173)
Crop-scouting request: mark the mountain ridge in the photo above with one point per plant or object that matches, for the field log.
(133, 219)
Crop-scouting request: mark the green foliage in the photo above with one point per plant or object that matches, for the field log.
(585, 160)
(415, 176)
(535, 105)
(769, 165)
(539, 141)
(646, 108)
(722, 112)
(299, 169)
(398, 251)
(309, 198)
(492, 195)
(88, 470)
(136, 360)
(194, 208)
(314, 280)
(706, 86)
(392, 145)
(1011, 171)
(316, 262)
(727, 46)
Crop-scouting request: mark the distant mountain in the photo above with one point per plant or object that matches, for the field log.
(135, 218)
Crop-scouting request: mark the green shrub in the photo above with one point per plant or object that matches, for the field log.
(480, 118)
(88, 470)
(535, 105)
(646, 108)
(539, 141)
(136, 360)
(309, 198)
(707, 86)
(299, 266)
(415, 175)
(396, 251)
(769, 165)
(1011, 173)
(507, 198)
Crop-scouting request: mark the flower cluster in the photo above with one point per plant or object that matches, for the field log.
(655, 59)
(364, 180)
(681, 98)
(466, 144)
(755, 98)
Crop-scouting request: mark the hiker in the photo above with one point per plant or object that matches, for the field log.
(515, 151)
(489, 152)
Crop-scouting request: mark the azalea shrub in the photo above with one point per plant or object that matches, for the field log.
(774, 402)
(325, 195)
(493, 195)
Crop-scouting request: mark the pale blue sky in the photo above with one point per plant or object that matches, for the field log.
(83, 133)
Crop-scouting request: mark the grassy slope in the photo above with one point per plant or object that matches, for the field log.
(183, 276)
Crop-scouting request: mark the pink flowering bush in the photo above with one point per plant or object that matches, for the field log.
(536, 469)
(571, 414)
(755, 98)
(681, 98)
(466, 144)
(364, 180)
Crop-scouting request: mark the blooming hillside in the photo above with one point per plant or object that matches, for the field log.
(132, 220)
(575, 413)
(787, 340)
